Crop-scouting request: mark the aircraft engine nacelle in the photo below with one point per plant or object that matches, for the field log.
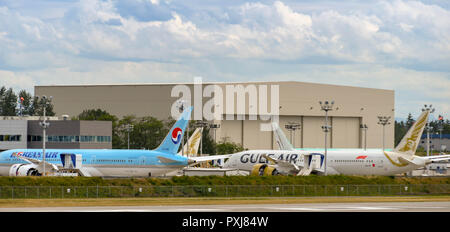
(264, 170)
(258, 169)
(270, 171)
(24, 170)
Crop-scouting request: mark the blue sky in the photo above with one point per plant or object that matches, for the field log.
(400, 45)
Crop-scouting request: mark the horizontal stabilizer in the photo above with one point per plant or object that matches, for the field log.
(440, 159)
(166, 160)
(437, 158)
(207, 158)
(417, 161)
(404, 160)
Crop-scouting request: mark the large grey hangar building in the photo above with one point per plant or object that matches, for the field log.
(298, 103)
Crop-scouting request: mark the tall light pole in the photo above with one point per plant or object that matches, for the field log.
(364, 128)
(428, 127)
(44, 124)
(129, 128)
(201, 124)
(292, 127)
(383, 120)
(441, 128)
(180, 105)
(21, 99)
(326, 106)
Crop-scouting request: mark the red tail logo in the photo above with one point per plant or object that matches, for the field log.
(361, 157)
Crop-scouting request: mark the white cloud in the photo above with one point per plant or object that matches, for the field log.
(395, 45)
(17, 81)
(264, 31)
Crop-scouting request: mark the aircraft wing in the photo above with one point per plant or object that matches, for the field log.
(207, 158)
(282, 165)
(404, 160)
(40, 163)
(29, 160)
(270, 159)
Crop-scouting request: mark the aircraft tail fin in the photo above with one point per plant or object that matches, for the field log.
(410, 141)
(193, 143)
(282, 141)
(172, 141)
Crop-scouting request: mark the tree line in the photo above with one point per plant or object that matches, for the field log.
(401, 127)
(23, 104)
(148, 132)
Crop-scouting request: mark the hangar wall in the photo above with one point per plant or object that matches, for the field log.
(298, 102)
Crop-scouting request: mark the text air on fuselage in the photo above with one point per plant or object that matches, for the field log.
(259, 158)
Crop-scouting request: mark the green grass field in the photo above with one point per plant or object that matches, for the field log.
(214, 186)
(219, 180)
(12, 203)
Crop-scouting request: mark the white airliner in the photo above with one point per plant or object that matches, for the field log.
(106, 162)
(345, 161)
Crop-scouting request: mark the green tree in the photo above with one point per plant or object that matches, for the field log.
(444, 124)
(26, 103)
(147, 133)
(228, 147)
(96, 114)
(38, 107)
(8, 101)
(400, 131)
(122, 131)
(409, 121)
(2, 94)
(402, 127)
(209, 146)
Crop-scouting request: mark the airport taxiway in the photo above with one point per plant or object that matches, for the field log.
(309, 207)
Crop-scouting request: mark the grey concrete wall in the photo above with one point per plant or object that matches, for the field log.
(13, 127)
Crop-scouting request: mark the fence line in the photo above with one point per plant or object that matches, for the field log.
(14, 192)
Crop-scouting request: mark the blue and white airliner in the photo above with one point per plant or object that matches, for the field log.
(104, 162)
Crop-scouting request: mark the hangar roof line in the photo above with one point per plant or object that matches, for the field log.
(207, 83)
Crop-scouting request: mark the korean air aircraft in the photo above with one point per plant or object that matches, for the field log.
(105, 162)
(343, 161)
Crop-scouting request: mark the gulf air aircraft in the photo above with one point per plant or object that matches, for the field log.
(344, 161)
(105, 162)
